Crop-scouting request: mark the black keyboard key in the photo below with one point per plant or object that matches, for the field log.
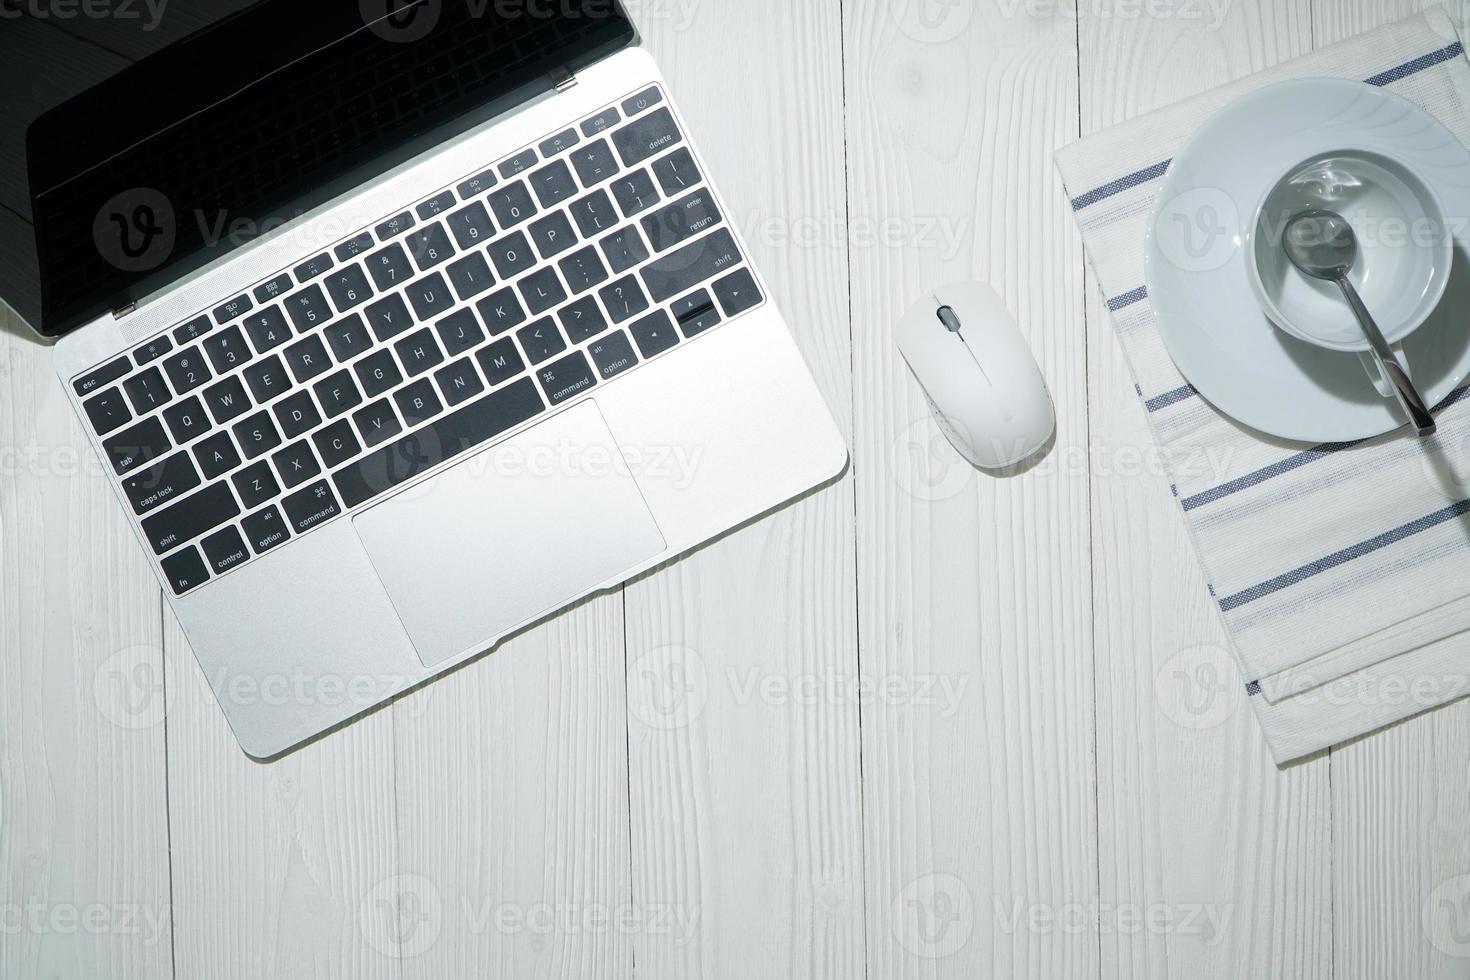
(677, 172)
(541, 340)
(542, 290)
(501, 310)
(437, 204)
(613, 355)
(377, 423)
(104, 375)
(190, 518)
(268, 292)
(519, 163)
(452, 435)
(185, 571)
(238, 306)
(624, 299)
(256, 484)
(186, 370)
(470, 276)
(395, 226)
(460, 332)
(308, 309)
(267, 329)
(349, 288)
(553, 235)
(305, 509)
(378, 373)
(136, 446)
(459, 381)
(429, 246)
(226, 400)
(695, 313)
(418, 403)
(257, 435)
(583, 270)
(186, 421)
(594, 214)
(389, 267)
(337, 393)
(357, 246)
(738, 292)
(267, 379)
(646, 99)
(680, 221)
(313, 267)
(646, 136)
(217, 455)
(337, 443)
(512, 205)
(193, 330)
(296, 464)
(297, 415)
(566, 378)
(152, 350)
(471, 225)
(419, 353)
(601, 122)
(595, 163)
(501, 361)
(388, 318)
(227, 350)
(147, 391)
(624, 249)
(152, 488)
(654, 334)
(430, 297)
(582, 320)
(348, 338)
(108, 411)
(307, 359)
(476, 185)
(635, 193)
(553, 184)
(225, 549)
(512, 255)
(682, 269)
(265, 530)
(559, 143)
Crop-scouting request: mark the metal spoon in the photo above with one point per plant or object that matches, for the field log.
(1322, 245)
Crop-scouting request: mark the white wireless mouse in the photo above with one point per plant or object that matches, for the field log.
(980, 377)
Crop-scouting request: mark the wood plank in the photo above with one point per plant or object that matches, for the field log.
(979, 805)
(745, 784)
(1194, 819)
(84, 884)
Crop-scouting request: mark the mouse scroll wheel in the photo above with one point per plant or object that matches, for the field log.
(950, 320)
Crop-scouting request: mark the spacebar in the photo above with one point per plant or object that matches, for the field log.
(471, 426)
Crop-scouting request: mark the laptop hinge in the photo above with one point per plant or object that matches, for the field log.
(123, 311)
(563, 79)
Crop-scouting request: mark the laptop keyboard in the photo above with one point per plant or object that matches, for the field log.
(417, 340)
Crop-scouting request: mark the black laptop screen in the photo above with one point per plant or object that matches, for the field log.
(237, 116)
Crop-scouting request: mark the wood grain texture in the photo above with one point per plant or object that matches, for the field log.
(979, 807)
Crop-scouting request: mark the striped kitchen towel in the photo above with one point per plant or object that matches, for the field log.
(1340, 570)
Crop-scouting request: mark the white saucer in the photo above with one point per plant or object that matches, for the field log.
(1196, 274)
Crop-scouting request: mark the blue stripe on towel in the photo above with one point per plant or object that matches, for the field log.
(1128, 299)
(1417, 65)
(1168, 398)
(1346, 555)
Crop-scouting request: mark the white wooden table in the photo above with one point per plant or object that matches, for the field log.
(922, 724)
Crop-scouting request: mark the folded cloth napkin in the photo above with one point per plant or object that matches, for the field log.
(1339, 570)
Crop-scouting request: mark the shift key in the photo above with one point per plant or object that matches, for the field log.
(681, 270)
(190, 518)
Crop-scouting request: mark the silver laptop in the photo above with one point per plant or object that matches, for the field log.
(399, 329)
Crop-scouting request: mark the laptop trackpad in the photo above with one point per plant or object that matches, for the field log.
(510, 535)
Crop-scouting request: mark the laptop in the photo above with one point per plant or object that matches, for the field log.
(399, 326)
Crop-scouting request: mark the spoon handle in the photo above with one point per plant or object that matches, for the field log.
(1409, 398)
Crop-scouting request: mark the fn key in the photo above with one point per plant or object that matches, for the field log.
(185, 570)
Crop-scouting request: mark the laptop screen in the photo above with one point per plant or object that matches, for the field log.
(207, 123)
